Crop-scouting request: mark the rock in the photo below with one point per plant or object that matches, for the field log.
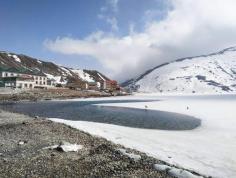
(25, 123)
(102, 149)
(22, 142)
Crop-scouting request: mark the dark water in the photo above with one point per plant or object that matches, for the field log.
(86, 111)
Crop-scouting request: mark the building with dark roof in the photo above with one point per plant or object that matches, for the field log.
(22, 78)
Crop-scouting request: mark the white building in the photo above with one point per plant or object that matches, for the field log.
(15, 79)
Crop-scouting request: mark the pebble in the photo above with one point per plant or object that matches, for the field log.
(22, 142)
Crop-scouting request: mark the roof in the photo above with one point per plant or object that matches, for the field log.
(16, 78)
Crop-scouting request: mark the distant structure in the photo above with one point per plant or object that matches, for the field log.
(101, 82)
(21, 71)
(14, 78)
(25, 79)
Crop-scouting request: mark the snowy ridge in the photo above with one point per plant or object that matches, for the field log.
(213, 73)
(83, 75)
(57, 73)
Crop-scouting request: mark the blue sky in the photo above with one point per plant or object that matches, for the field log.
(121, 38)
(26, 24)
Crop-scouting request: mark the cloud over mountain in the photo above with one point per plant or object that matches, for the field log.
(190, 28)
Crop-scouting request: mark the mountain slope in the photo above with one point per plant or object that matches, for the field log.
(213, 73)
(60, 74)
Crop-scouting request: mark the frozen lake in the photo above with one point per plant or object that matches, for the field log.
(92, 111)
(208, 149)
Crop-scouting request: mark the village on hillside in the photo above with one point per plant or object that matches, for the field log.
(24, 79)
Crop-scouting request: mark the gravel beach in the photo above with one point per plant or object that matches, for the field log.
(26, 151)
(40, 94)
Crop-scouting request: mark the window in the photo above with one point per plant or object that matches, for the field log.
(6, 74)
(36, 82)
(26, 85)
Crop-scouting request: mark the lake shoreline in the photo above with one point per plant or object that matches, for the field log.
(22, 152)
(94, 111)
(50, 94)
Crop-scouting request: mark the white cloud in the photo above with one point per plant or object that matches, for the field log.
(113, 4)
(110, 20)
(191, 27)
(113, 22)
(108, 13)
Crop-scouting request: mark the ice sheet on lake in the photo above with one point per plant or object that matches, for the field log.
(209, 149)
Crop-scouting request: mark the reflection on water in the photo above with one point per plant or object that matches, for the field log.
(87, 111)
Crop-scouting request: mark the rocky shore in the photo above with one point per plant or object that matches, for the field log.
(48, 94)
(36, 147)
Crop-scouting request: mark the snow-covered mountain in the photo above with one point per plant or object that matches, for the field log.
(213, 73)
(60, 74)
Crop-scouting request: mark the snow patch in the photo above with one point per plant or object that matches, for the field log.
(133, 156)
(175, 172)
(39, 61)
(65, 71)
(21, 142)
(66, 147)
(180, 173)
(17, 59)
(161, 167)
(83, 75)
(57, 79)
